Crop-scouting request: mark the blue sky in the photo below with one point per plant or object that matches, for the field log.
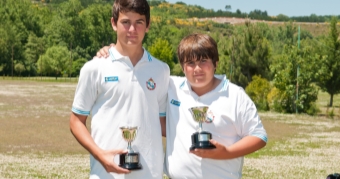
(273, 7)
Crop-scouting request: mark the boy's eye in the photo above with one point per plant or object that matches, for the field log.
(205, 60)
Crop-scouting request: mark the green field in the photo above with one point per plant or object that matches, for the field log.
(35, 140)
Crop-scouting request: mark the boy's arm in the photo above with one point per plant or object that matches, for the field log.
(80, 132)
(163, 125)
(163, 99)
(246, 145)
(254, 136)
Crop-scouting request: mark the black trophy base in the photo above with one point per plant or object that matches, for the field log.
(200, 140)
(130, 161)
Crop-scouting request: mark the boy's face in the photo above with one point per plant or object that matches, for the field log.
(199, 73)
(131, 28)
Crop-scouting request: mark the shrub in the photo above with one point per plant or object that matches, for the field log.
(258, 90)
(313, 109)
(276, 99)
(330, 113)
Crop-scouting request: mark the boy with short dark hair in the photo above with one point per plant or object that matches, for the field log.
(128, 88)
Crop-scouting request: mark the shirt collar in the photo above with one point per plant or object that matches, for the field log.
(115, 55)
(223, 86)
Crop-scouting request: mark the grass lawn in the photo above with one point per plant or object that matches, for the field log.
(35, 140)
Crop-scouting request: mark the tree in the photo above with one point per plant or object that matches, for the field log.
(66, 27)
(227, 8)
(4, 51)
(19, 68)
(33, 49)
(162, 50)
(81, 57)
(225, 51)
(282, 17)
(286, 33)
(97, 30)
(177, 70)
(55, 61)
(250, 54)
(178, 2)
(238, 11)
(17, 21)
(77, 65)
(12, 38)
(158, 28)
(13, 33)
(285, 79)
(329, 63)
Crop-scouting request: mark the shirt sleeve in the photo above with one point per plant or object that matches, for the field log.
(86, 91)
(164, 92)
(250, 121)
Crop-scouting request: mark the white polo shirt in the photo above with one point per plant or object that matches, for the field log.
(233, 116)
(118, 94)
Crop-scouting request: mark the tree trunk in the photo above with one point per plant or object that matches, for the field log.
(40, 60)
(70, 60)
(12, 60)
(331, 100)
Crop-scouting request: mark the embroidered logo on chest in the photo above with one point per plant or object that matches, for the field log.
(111, 78)
(150, 84)
(210, 117)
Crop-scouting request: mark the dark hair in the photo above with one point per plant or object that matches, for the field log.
(139, 6)
(333, 176)
(196, 47)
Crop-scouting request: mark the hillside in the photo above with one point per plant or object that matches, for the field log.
(315, 28)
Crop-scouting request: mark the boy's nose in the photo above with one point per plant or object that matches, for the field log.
(132, 27)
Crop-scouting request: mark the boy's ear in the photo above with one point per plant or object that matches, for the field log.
(148, 27)
(215, 66)
(113, 24)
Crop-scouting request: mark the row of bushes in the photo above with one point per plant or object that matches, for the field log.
(267, 97)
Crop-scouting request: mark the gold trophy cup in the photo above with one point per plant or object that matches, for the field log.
(129, 160)
(200, 139)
